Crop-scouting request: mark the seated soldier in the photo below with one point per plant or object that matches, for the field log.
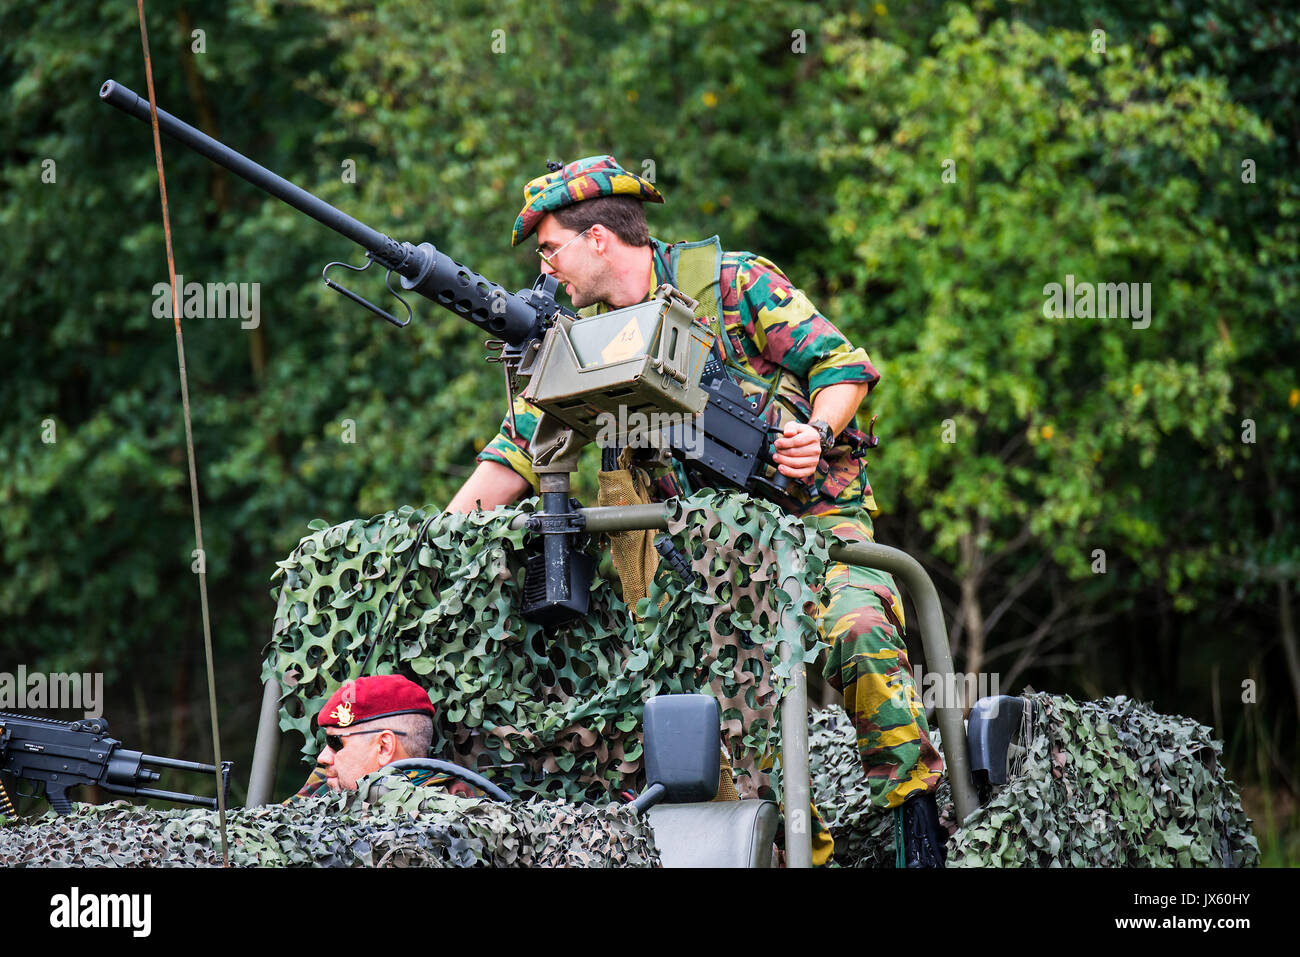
(372, 722)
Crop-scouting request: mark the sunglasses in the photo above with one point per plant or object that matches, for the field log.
(335, 742)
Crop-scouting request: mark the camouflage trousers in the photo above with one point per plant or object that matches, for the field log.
(861, 618)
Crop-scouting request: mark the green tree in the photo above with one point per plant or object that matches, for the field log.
(966, 182)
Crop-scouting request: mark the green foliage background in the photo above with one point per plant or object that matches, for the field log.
(823, 150)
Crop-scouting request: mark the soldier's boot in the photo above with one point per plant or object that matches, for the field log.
(917, 832)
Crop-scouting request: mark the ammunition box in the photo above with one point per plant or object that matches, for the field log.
(644, 358)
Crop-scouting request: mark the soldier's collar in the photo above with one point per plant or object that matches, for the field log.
(661, 262)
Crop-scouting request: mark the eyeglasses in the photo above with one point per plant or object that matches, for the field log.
(549, 258)
(335, 742)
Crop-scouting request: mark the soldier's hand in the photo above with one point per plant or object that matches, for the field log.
(799, 450)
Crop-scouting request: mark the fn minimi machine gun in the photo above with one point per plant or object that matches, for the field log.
(60, 755)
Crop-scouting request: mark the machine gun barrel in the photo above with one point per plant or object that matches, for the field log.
(132, 104)
(509, 316)
(176, 763)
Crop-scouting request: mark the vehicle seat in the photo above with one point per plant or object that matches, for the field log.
(715, 834)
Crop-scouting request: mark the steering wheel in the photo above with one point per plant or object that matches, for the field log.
(455, 770)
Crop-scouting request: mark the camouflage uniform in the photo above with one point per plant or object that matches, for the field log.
(779, 344)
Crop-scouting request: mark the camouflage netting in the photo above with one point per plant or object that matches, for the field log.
(1108, 783)
(398, 825)
(561, 713)
(1104, 783)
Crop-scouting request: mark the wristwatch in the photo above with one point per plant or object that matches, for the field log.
(827, 434)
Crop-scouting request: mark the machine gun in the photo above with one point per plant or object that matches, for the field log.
(652, 357)
(59, 755)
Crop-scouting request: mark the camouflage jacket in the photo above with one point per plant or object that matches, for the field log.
(316, 783)
(777, 340)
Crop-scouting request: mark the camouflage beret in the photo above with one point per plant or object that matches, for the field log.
(582, 179)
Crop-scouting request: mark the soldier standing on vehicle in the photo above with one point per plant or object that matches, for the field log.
(593, 237)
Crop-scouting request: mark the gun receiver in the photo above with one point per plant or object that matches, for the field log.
(60, 755)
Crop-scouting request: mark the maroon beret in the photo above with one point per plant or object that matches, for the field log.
(379, 696)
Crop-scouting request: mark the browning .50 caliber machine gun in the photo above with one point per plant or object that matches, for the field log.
(652, 357)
